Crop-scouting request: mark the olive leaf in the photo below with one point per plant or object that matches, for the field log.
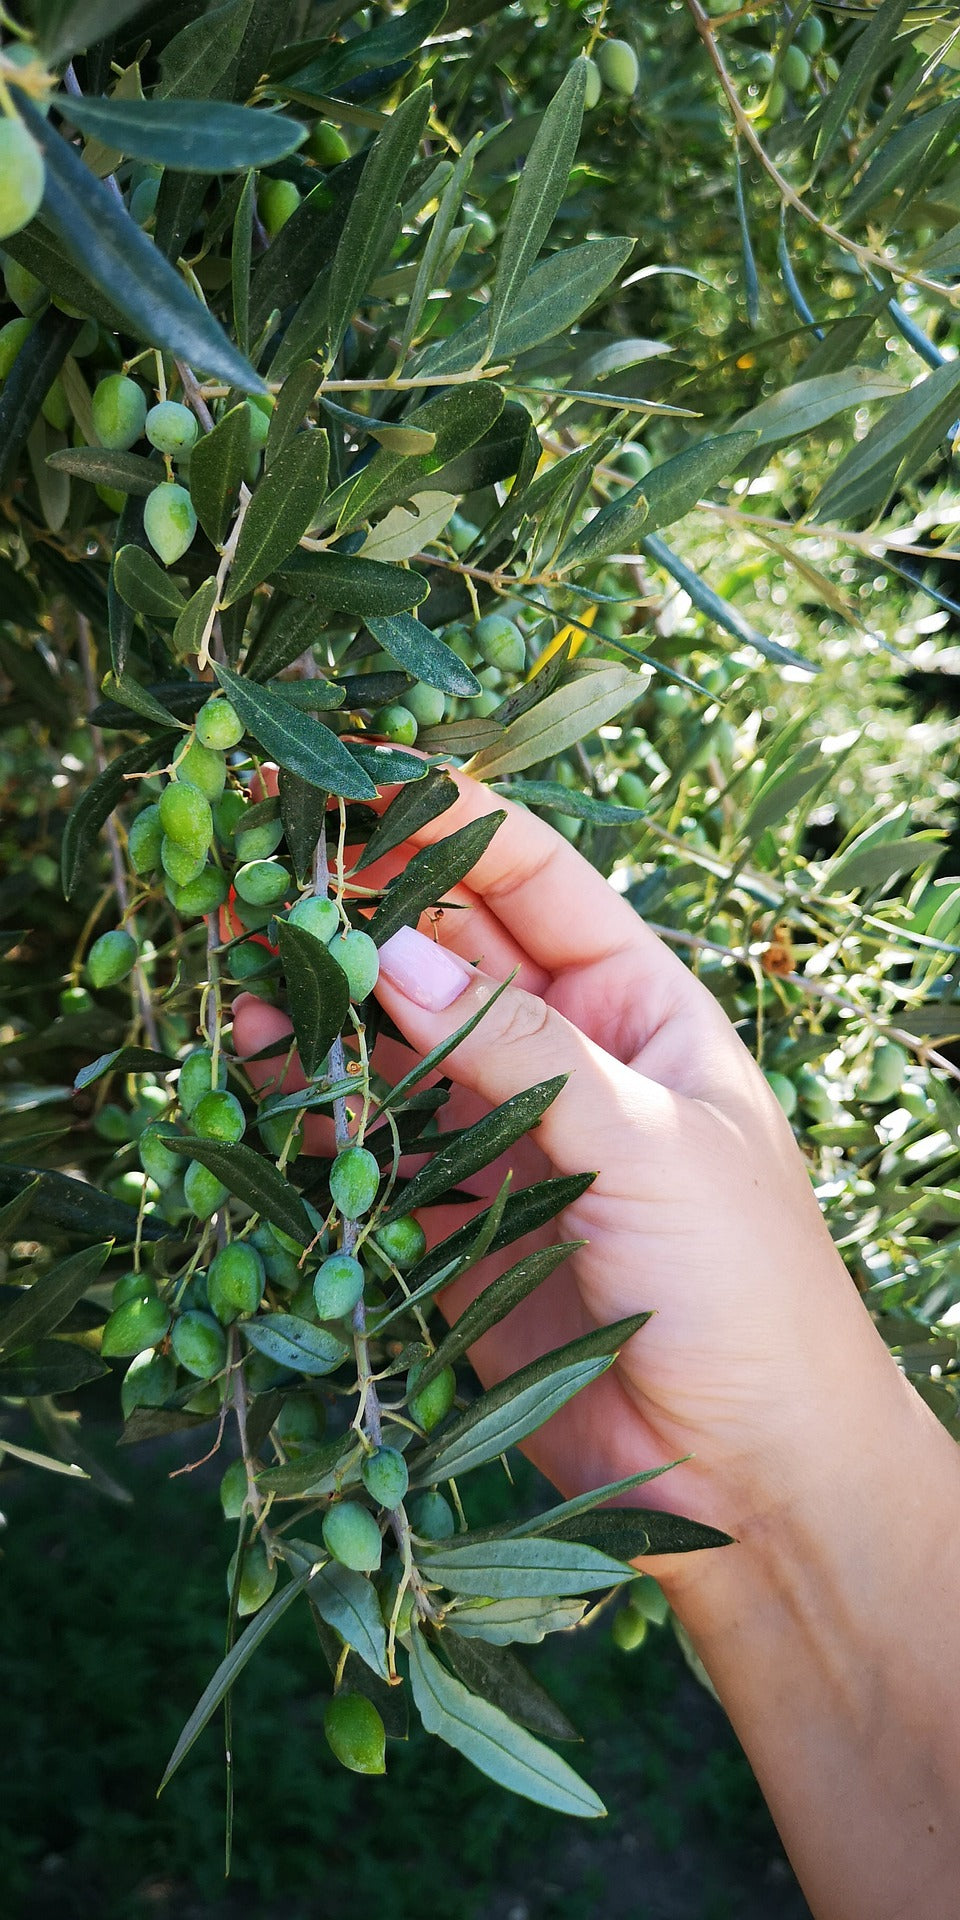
(170, 132)
(317, 994)
(217, 465)
(527, 1569)
(284, 505)
(251, 1177)
(52, 1295)
(498, 1676)
(412, 808)
(499, 1623)
(291, 1342)
(475, 1147)
(430, 874)
(295, 740)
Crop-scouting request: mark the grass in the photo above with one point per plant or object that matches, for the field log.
(111, 1621)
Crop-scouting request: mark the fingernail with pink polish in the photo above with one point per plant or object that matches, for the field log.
(424, 971)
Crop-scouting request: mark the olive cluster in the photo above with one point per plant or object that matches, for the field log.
(614, 69)
(494, 648)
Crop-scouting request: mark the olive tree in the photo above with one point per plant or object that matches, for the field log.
(346, 406)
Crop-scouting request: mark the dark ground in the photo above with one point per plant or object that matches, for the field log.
(111, 1622)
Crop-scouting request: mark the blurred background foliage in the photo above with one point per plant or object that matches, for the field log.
(791, 178)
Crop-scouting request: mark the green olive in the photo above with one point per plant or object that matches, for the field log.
(338, 1286)
(22, 176)
(355, 1733)
(111, 958)
(170, 427)
(352, 1536)
(119, 409)
(354, 1179)
(169, 521)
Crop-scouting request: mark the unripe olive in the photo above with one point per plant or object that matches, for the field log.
(316, 916)
(75, 1000)
(326, 145)
(113, 1123)
(433, 1402)
(484, 703)
(12, 337)
(262, 882)
(185, 816)
(338, 1286)
(257, 1578)
(403, 1241)
(143, 201)
(354, 1179)
(22, 176)
(196, 1077)
(181, 864)
(144, 840)
(257, 843)
(233, 1490)
(276, 201)
(634, 461)
(459, 639)
(461, 533)
(359, 959)
(203, 1192)
(500, 643)
(150, 1379)
(203, 894)
(776, 100)
(816, 1096)
(351, 1535)
(203, 768)
(650, 1600)
(131, 1286)
(200, 1344)
(432, 1517)
(629, 1628)
(169, 521)
(795, 69)
(784, 1090)
(134, 1189)
(384, 1474)
(157, 1160)
(55, 407)
(228, 813)
(426, 704)
(119, 410)
(632, 791)
(170, 427)
(111, 958)
(206, 1398)
(281, 1264)
(275, 1132)
(887, 1069)
(811, 33)
(152, 1101)
(618, 67)
(133, 1326)
(249, 959)
(396, 723)
(235, 1280)
(23, 288)
(172, 1205)
(219, 1116)
(594, 86)
(259, 423)
(301, 1421)
(262, 1375)
(219, 725)
(355, 1733)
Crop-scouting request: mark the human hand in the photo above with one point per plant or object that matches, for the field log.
(702, 1209)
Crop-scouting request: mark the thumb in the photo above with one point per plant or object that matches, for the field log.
(430, 993)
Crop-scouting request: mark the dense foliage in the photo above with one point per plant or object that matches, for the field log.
(574, 406)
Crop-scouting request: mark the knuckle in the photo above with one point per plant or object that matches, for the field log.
(525, 1019)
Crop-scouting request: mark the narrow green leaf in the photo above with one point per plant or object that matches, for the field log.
(303, 812)
(50, 1366)
(66, 27)
(295, 1343)
(98, 801)
(665, 495)
(96, 231)
(457, 418)
(388, 766)
(217, 1689)
(433, 253)
(371, 216)
(340, 583)
(295, 740)
(249, 1176)
(124, 1060)
(498, 1676)
(424, 654)
(28, 382)
(14, 1211)
(552, 298)
(47, 1302)
(194, 62)
(331, 66)
(45, 1460)
(585, 1502)
(527, 1569)
(171, 133)
(295, 263)
(407, 531)
(316, 1472)
(411, 809)
(476, 1147)
(74, 1206)
(525, 1212)
(541, 187)
(241, 255)
(896, 447)
(128, 693)
(580, 806)
(494, 1302)
(430, 874)
(192, 622)
(128, 472)
(629, 1532)
(317, 994)
(807, 404)
(288, 630)
(718, 610)
(494, 1744)
(499, 1623)
(348, 1602)
(145, 585)
(869, 54)
(564, 717)
(484, 1432)
(217, 466)
(288, 416)
(285, 503)
(121, 620)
